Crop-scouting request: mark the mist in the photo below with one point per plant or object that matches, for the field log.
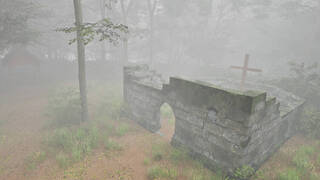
(159, 89)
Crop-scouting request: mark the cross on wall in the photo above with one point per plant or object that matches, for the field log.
(245, 69)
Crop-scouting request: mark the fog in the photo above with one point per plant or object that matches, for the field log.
(62, 76)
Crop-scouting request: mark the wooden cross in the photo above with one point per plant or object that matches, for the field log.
(245, 69)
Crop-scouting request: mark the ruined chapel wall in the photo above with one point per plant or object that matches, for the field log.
(142, 100)
(218, 124)
(228, 129)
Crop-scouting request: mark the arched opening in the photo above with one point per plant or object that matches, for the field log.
(167, 121)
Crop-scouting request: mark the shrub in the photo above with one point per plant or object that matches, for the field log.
(259, 175)
(157, 156)
(64, 107)
(305, 82)
(290, 174)
(310, 123)
(245, 172)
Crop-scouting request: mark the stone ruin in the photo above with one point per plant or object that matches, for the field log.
(226, 128)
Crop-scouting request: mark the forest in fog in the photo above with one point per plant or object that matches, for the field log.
(204, 32)
(160, 89)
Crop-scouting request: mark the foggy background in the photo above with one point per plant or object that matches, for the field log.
(191, 37)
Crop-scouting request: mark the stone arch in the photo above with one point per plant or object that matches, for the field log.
(167, 119)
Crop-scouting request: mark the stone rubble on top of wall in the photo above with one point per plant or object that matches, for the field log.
(143, 75)
(288, 101)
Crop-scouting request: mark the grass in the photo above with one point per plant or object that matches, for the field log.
(147, 161)
(71, 145)
(158, 151)
(163, 153)
(290, 174)
(179, 155)
(302, 166)
(198, 172)
(111, 145)
(157, 172)
(63, 160)
(35, 159)
(198, 175)
(301, 159)
(318, 160)
(71, 141)
(122, 129)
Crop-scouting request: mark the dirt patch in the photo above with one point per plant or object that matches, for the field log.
(23, 115)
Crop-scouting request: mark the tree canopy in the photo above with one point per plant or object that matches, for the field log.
(15, 19)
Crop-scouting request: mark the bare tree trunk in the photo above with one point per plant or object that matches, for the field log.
(103, 16)
(125, 10)
(125, 44)
(151, 41)
(81, 61)
(151, 8)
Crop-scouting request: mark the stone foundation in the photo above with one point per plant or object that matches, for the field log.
(227, 128)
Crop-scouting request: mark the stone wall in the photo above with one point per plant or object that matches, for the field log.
(226, 128)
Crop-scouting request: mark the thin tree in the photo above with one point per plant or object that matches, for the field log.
(152, 6)
(125, 11)
(87, 32)
(103, 16)
(81, 61)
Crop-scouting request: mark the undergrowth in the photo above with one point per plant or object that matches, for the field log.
(64, 107)
(71, 145)
(70, 141)
(33, 160)
(157, 172)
